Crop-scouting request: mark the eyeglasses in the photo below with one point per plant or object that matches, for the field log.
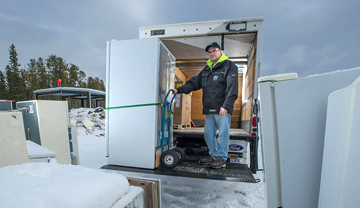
(211, 52)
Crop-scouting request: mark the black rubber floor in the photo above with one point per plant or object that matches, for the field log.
(192, 169)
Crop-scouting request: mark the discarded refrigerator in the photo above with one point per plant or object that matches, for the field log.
(139, 73)
(293, 120)
(46, 123)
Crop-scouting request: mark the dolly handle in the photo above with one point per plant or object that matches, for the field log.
(165, 100)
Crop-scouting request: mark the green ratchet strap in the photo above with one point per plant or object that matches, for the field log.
(131, 106)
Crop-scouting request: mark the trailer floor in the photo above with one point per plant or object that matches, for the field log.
(233, 172)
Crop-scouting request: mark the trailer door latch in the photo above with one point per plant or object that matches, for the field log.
(236, 26)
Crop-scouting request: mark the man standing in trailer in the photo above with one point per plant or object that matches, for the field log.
(219, 82)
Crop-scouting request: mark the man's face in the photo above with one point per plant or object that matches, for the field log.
(214, 54)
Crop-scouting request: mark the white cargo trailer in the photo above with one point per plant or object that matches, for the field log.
(136, 84)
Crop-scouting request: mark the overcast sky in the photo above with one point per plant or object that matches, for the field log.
(307, 37)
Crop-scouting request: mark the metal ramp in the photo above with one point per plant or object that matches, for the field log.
(233, 172)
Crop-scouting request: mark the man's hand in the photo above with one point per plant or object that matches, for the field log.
(175, 91)
(222, 111)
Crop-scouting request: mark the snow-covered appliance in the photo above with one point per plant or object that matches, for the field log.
(38, 153)
(46, 123)
(292, 118)
(139, 73)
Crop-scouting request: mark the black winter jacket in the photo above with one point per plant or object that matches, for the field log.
(219, 85)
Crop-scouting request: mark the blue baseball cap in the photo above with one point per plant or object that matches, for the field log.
(213, 44)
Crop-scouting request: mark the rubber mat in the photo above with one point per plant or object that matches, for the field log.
(233, 172)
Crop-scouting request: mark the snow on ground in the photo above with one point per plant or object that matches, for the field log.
(91, 142)
(176, 191)
(97, 116)
(54, 185)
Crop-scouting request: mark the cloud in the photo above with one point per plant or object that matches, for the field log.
(295, 57)
(325, 59)
(306, 60)
(136, 11)
(54, 27)
(300, 9)
(8, 17)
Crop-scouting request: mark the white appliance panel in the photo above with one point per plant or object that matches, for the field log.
(294, 119)
(13, 149)
(132, 137)
(133, 76)
(340, 183)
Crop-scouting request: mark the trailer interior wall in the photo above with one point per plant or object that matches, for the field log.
(179, 74)
(248, 90)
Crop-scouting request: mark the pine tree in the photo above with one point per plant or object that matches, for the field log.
(24, 74)
(32, 80)
(16, 84)
(82, 79)
(91, 83)
(95, 83)
(42, 73)
(3, 90)
(58, 69)
(102, 85)
(63, 72)
(54, 74)
(73, 75)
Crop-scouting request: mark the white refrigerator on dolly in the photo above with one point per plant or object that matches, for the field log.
(139, 74)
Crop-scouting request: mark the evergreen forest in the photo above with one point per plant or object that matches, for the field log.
(18, 84)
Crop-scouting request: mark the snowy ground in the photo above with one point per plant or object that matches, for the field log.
(176, 191)
(41, 184)
(55, 185)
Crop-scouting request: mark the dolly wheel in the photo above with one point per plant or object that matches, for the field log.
(181, 153)
(169, 159)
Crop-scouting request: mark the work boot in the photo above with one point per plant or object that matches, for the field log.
(219, 163)
(207, 161)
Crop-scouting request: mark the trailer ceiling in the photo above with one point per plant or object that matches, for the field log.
(191, 56)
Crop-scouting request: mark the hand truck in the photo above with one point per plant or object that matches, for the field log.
(170, 156)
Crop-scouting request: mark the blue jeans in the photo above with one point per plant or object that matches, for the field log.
(218, 147)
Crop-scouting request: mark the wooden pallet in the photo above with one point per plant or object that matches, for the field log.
(181, 126)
